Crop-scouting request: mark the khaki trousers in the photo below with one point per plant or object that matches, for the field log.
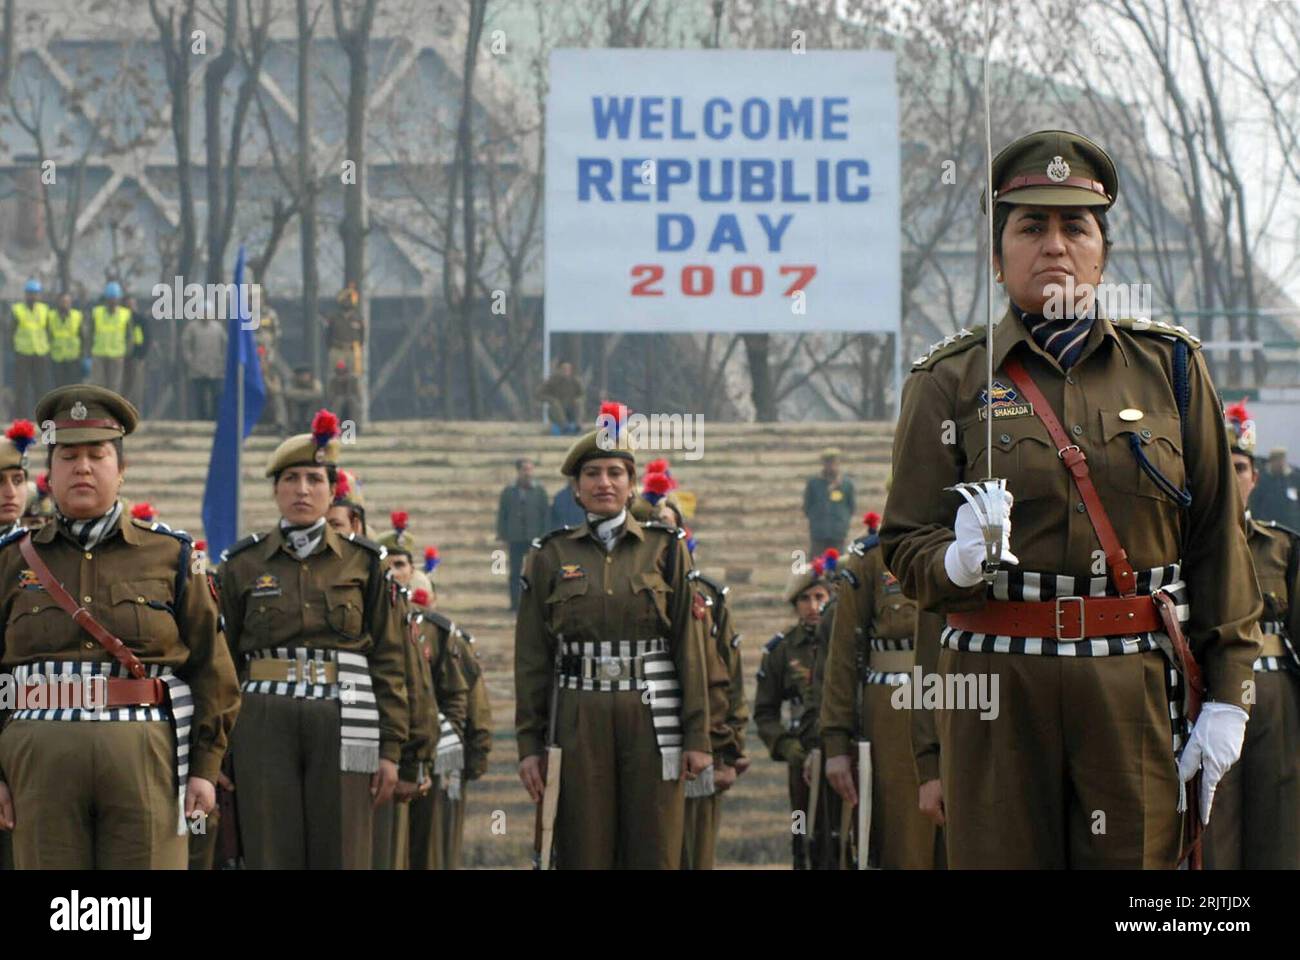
(421, 835)
(1255, 818)
(296, 809)
(93, 796)
(700, 833)
(615, 809)
(902, 837)
(448, 827)
(1076, 771)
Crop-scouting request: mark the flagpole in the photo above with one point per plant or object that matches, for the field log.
(239, 408)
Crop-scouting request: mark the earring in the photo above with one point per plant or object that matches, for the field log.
(998, 276)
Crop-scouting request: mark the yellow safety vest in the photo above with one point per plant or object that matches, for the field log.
(29, 337)
(110, 331)
(65, 336)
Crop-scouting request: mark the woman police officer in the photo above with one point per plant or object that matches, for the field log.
(1110, 435)
(607, 625)
(104, 794)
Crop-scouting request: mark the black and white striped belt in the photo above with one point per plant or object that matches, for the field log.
(608, 661)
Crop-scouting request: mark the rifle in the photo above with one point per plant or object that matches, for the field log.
(544, 827)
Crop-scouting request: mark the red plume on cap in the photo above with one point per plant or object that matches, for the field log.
(420, 597)
(143, 511)
(342, 487)
(658, 483)
(819, 566)
(22, 433)
(324, 427)
(657, 466)
(613, 415)
(201, 545)
(872, 520)
(399, 518)
(1236, 411)
(43, 484)
(431, 559)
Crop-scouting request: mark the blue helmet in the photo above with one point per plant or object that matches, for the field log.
(113, 291)
(32, 286)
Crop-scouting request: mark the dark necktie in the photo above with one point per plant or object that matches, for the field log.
(1062, 339)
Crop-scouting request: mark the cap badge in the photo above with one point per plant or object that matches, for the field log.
(78, 411)
(1058, 171)
(320, 455)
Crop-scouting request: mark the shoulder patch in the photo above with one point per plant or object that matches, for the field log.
(160, 527)
(860, 546)
(716, 586)
(771, 644)
(851, 578)
(677, 532)
(244, 544)
(1160, 328)
(538, 541)
(441, 619)
(370, 545)
(963, 339)
(12, 536)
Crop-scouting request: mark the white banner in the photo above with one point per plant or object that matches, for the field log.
(725, 190)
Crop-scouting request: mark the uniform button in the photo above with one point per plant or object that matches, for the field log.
(609, 559)
(1005, 438)
(610, 592)
(139, 599)
(306, 606)
(1079, 508)
(1077, 430)
(86, 600)
(90, 556)
(1146, 434)
(36, 609)
(1069, 380)
(90, 644)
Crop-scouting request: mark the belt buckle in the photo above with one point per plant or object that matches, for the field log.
(612, 667)
(309, 672)
(290, 671)
(1061, 600)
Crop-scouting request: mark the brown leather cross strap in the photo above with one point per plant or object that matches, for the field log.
(80, 615)
(1121, 571)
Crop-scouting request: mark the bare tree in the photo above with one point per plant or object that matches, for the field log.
(175, 41)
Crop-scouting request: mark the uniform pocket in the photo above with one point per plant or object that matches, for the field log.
(1159, 438)
(264, 623)
(36, 625)
(566, 603)
(1023, 453)
(141, 608)
(345, 610)
(651, 590)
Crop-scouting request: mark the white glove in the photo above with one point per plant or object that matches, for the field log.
(964, 561)
(1213, 746)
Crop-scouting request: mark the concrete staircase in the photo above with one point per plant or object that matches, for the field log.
(448, 476)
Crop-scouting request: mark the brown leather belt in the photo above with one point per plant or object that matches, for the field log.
(149, 692)
(1273, 646)
(293, 671)
(1065, 618)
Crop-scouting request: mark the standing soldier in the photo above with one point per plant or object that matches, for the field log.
(111, 322)
(870, 653)
(521, 519)
(65, 342)
(607, 633)
(318, 632)
(786, 675)
(13, 501)
(31, 346)
(110, 601)
(1126, 519)
(1256, 823)
(829, 504)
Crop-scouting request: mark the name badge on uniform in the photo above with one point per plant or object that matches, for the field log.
(572, 571)
(890, 582)
(267, 585)
(28, 580)
(1006, 403)
(837, 496)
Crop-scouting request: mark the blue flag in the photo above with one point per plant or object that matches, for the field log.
(220, 496)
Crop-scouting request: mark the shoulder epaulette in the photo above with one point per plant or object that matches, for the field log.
(719, 588)
(677, 532)
(368, 544)
(157, 526)
(963, 339)
(12, 535)
(441, 619)
(1160, 327)
(244, 544)
(538, 541)
(860, 546)
(1268, 523)
(771, 644)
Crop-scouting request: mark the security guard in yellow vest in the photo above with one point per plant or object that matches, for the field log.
(31, 346)
(111, 320)
(65, 342)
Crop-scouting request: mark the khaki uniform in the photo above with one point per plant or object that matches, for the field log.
(103, 795)
(1075, 734)
(926, 748)
(476, 733)
(728, 715)
(871, 653)
(296, 808)
(615, 807)
(1255, 820)
(786, 673)
(450, 697)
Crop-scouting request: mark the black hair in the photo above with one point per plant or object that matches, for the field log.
(116, 442)
(1002, 213)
